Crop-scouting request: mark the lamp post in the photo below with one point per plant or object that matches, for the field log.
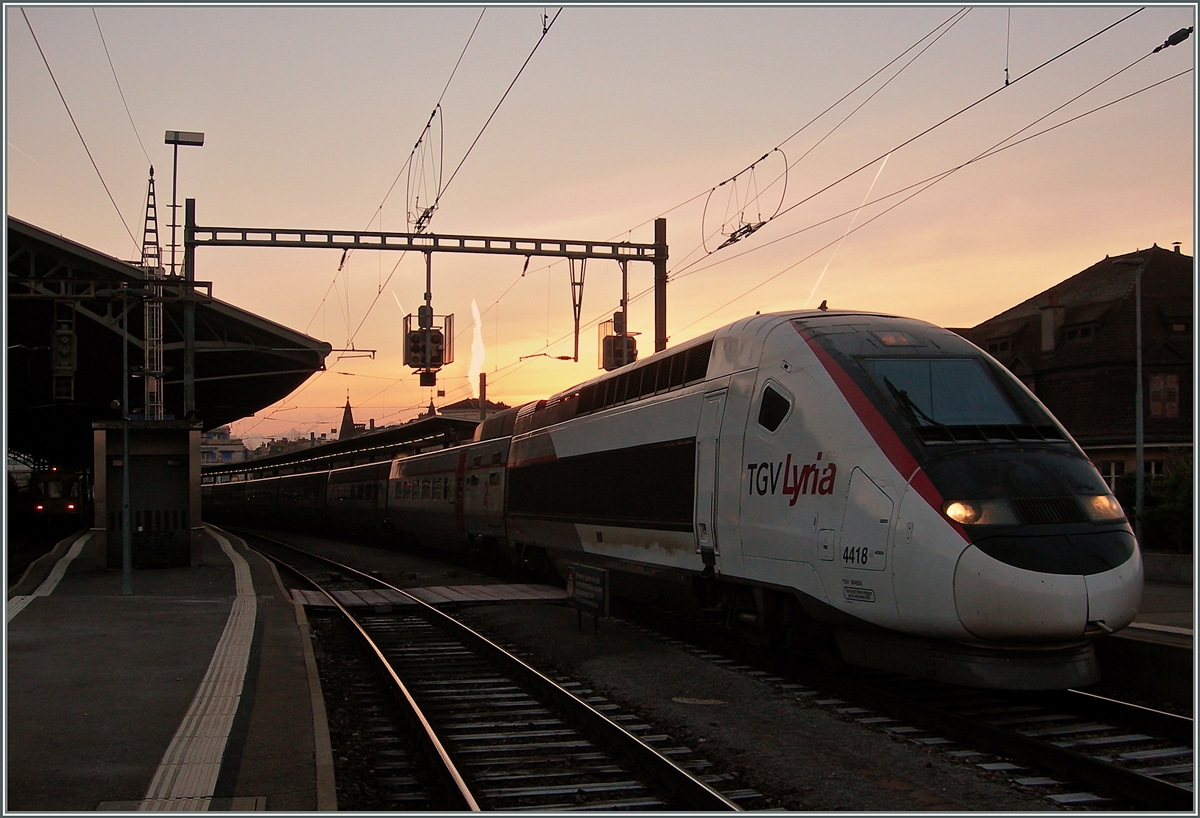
(178, 138)
(1138, 419)
(126, 523)
(1139, 455)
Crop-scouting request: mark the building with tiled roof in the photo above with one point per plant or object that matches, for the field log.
(468, 409)
(1074, 345)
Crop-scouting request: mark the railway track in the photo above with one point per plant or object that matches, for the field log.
(494, 733)
(1122, 754)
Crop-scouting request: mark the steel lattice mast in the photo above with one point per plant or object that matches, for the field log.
(153, 309)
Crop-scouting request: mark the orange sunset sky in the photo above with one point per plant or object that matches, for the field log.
(619, 116)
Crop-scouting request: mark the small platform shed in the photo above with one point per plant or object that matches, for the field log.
(164, 491)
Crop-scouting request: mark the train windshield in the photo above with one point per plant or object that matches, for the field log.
(943, 391)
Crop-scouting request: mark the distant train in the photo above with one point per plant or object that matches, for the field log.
(872, 481)
(57, 494)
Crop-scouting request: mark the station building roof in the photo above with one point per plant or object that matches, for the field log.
(376, 446)
(243, 362)
(1075, 346)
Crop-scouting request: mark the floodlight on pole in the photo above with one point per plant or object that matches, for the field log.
(177, 138)
(195, 139)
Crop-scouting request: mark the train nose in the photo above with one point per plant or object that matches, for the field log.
(1060, 586)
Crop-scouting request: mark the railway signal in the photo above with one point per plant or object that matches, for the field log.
(428, 348)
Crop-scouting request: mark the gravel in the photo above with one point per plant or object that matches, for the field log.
(801, 755)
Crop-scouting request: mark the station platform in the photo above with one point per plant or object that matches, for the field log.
(198, 691)
(1154, 657)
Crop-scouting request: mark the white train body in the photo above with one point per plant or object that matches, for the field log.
(836, 506)
(873, 478)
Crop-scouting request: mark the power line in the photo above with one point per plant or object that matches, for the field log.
(545, 30)
(947, 24)
(392, 187)
(119, 90)
(950, 22)
(958, 14)
(929, 182)
(77, 131)
(933, 127)
(958, 113)
(995, 149)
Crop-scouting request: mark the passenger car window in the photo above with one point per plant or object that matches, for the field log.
(772, 410)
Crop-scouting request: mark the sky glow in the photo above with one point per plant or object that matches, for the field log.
(620, 116)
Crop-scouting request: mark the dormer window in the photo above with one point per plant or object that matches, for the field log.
(1082, 333)
(999, 345)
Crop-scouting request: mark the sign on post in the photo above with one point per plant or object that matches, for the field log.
(588, 589)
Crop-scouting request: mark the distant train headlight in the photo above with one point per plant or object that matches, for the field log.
(1102, 508)
(980, 512)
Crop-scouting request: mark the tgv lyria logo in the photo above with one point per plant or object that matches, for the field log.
(792, 479)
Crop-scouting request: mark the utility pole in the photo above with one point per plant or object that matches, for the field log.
(660, 285)
(189, 312)
(1138, 418)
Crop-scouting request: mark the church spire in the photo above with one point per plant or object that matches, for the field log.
(347, 431)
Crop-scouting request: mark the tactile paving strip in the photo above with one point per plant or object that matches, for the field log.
(187, 776)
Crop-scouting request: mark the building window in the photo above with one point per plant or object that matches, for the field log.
(1110, 470)
(1004, 345)
(1153, 468)
(1164, 396)
(1181, 327)
(1077, 333)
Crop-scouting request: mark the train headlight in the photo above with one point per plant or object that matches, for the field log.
(963, 511)
(1102, 508)
(980, 512)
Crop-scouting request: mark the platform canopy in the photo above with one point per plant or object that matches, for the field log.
(64, 311)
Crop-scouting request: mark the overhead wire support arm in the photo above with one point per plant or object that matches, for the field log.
(430, 243)
(422, 243)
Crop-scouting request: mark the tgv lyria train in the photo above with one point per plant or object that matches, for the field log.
(874, 480)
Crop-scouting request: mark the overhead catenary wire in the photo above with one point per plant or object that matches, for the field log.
(929, 182)
(120, 90)
(932, 180)
(545, 30)
(995, 149)
(941, 122)
(403, 167)
(945, 24)
(958, 113)
(78, 132)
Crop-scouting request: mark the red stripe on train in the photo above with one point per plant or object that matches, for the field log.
(880, 430)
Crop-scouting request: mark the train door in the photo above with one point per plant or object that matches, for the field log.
(708, 452)
(493, 492)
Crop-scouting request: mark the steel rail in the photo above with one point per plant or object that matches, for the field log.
(1170, 725)
(429, 736)
(1107, 777)
(681, 783)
